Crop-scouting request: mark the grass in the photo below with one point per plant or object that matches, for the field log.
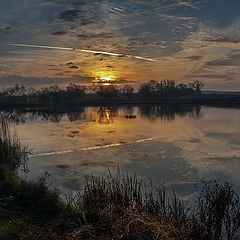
(135, 209)
(115, 207)
(13, 154)
(110, 208)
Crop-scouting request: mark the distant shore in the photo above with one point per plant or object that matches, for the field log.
(221, 100)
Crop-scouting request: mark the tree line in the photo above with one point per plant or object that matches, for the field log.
(150, 89)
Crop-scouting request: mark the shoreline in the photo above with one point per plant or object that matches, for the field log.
(204, 100)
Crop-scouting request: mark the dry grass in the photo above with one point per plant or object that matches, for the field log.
(124, 207)
(12, 153)
(121, 208)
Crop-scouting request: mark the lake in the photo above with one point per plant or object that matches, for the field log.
(180, 145)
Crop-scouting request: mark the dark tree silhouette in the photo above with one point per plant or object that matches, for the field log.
(16, 90)
(150, 90)
(197, 86)
(104, 91)
(127, 90)
(74, 91)
(169, 88)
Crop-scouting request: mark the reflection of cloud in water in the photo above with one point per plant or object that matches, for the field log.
(232, 139)
(181, 146)
(160, 160)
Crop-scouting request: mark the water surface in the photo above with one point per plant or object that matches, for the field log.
(180, 145)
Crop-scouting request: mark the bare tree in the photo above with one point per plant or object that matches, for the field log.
(127, 90)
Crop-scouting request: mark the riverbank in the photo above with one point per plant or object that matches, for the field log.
(225, 100)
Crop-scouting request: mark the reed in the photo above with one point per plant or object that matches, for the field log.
(13, 154)
(120, 207)
(117, 201)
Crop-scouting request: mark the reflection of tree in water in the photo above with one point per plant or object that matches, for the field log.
(76, 116)
(129, 112)
(14, 116)
(54, 116)
(105, 115)
(168, 112)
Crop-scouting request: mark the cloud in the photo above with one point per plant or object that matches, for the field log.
(123, 81)
(193, 4)
(224, 39)
(97, 35)
(43, 81)
(174, 18)
(59, 33)
(73, 2)
(73, 67)
(210, 76)
(114, 82)
(214, 37)
(232, 59)
(191, 58)
(76, 15)
(5, 29)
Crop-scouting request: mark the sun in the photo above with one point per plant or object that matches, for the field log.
(105, 77)
(106, 84)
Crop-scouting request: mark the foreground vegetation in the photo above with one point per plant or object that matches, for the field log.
(112, 207)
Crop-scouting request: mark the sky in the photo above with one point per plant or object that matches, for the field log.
(49, 42)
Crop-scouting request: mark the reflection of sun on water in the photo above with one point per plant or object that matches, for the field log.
(105, 116)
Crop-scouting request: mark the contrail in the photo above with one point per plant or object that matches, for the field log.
(213, 70)
(82, 50)
(40, 46)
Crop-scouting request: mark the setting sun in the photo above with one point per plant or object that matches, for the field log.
(105, 77)
(107, 84)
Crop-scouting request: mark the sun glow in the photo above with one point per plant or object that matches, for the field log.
(105, 77)
(106, 84)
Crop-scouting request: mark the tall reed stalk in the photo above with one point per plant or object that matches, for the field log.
(13, 154)
(129, 200)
